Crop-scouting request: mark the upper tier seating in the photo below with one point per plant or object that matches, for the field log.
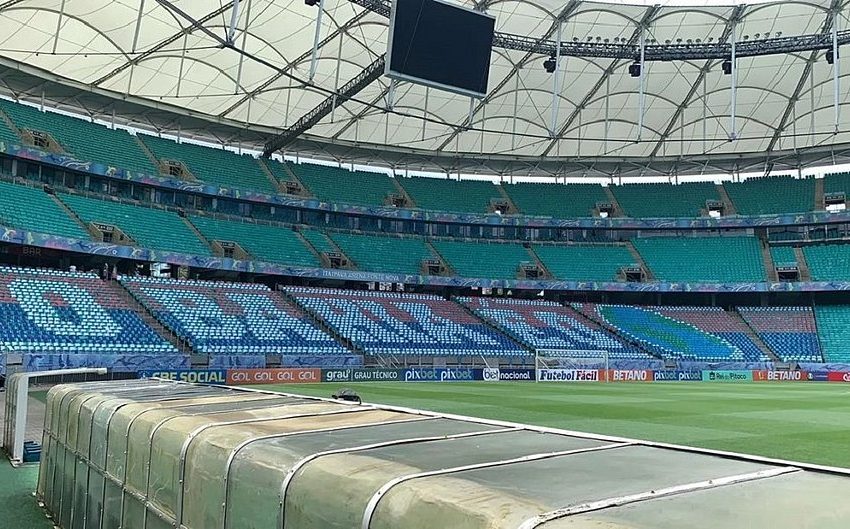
(86, 141)
(155, 229)
(837, 182)
(218, 167)
(547, 325)
(584, 262)
(828, 262)
(318, 240)
(483, 259)
(556, 200)
(833, 323)
(335, 184)
(716, 321)
(725, 259)
(278, 170)
(387, 254)
(466, 196)
(772, 195)
(32, 209)
(237, 324)
(790, 332)
(69, 319)
(663, 335)
(7, 135)
(783, 255)
(264, 243)
(404, 324)
(664, 200)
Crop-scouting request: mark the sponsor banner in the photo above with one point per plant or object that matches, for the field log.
(442, 374)
(497, 374)
(677, 375)
(196, 376)
(568, 375)
(337, 375)
(727, 376)
(819, 376)
(838, 376)
(781, 376)
(377, 375)
(630, 375)
(273, 376)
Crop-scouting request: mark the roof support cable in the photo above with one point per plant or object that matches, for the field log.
(556, 84)
(835, 70)
(733, 93)
(315, 56)
(641, 90)
(234, 18)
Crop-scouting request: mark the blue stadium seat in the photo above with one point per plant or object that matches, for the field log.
(790, 332)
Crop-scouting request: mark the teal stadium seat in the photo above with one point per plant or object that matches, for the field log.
(664, 200)
(318, 240)
(783, 255)
(7, 135)
(388, 254)
(442, 194)
(264, 242)
(837, 183)
(556, 200)
(708, 259)
(828, 262)
(335, 184)
(219, 167)
(772, 195)
(834, 332)
(584, 262)
(277, 170)
(483, 259)
(155, 229)
(84, 140)
(32, 209)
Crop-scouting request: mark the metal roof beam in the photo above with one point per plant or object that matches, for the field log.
(366, 77)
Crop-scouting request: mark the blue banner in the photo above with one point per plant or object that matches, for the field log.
(197, 376)
(678, 376)
(442, 374)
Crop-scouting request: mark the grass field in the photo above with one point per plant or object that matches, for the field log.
(800, 422)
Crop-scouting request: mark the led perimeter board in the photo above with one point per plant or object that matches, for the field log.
(440, 45)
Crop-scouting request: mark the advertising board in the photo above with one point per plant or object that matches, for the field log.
(442, 374)
(568, 375)
(504, 374)
(677, 375)
(630, 375)
(195, 376)
(362, 375)
(838, 376)
(727, 376)
(781, 376)
(273, 376)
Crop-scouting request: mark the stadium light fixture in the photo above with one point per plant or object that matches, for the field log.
(550, 64)
(634, 69)
(727, 67)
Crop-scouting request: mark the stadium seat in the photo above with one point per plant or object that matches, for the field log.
(716, 321)
(710, 259)
(69, 319)
(544, 325)
(483, 259)
(790, 332)
(664, 335)
(837, 183)
(783, 256)
(833, 324)
(442, 194)
(385, 323)
(561, 201)
(153, 228)
(664, 200)
(218, 167)
(828, 262)
(86, 141)
(388, 254)
(32, 209)
(595, 262)
(772, 195)
(237, 324)
(336, 184)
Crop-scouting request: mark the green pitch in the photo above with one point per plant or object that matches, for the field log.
(799, 422)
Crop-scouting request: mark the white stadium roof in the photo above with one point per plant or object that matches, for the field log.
(148, 64)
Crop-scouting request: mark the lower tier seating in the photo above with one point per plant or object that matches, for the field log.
(384, 323)
(546, 325)
(67, 319)
(790, 332)
(237, 324)
(666, 336)
(716, 321)
(833, 323)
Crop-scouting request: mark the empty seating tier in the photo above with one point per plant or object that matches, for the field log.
(727, 325)
(828, 262)
(837, 183)
(584, 262)
(665, 336)
(63, 319)
(335, 184)
(790, 332)
(483, 259)
(772, 195)
(556, 200)
(219, 167)
(277, 169)
(387, 254)
(783, 256)
(86, 141)
(546, 325)
(32, 209)
(664, 200)
(262, 241)
(469, 196)
(155, 229)
(383, 323)
(709, 259)
(237, 324)
(833, 322)
(318, 240)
